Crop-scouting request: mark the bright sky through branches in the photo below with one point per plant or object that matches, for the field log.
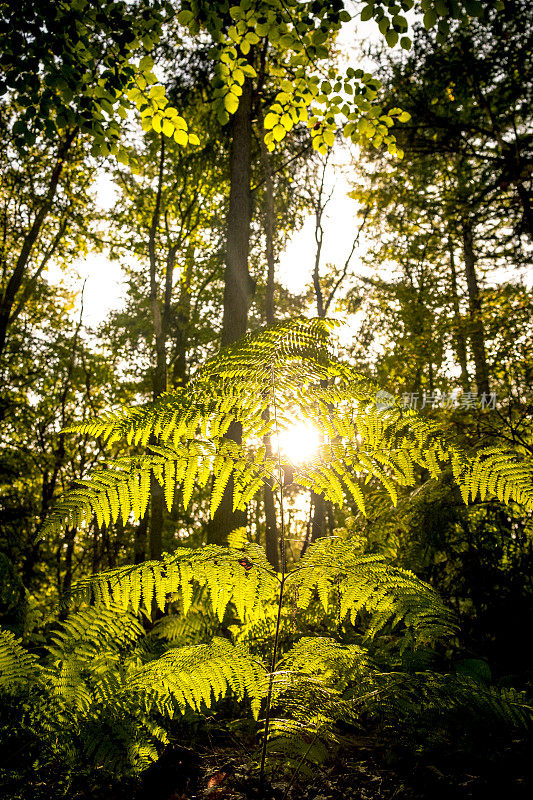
(105, 287)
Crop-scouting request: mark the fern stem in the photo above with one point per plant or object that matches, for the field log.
(281, 589)
(300, 764)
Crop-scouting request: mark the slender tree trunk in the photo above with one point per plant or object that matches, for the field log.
(66, 585)
(183, 321)
(308, 526)
(7, 300)
(477, 334)
(270, 224)
(524, 196)
(319, 505)
(159, 374)
(95, 548)
(271, 526)
(70, 538)
(460, 344)
(49, 482)
(320, 511)
(157, 501)
(239, 286)
(431, 377)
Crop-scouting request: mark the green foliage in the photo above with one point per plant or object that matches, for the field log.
(289, 366)
(216, 569)
(13, 601)
(436, 14)
(296, 41)
(17, 666)
(196, 676)
(106, 689)
(363, 584)
(326, 693)
(354, 587)
(82, 66)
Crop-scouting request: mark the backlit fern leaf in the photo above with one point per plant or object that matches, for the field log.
(195, 676)
(187, 628)
(216, 568)
(335, 569)
(292, 365)
(321, 655)
(101, 688)
(406, 698)
(18, 668)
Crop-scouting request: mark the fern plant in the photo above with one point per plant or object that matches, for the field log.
(291, 372)
(104, 689)
(291, 368)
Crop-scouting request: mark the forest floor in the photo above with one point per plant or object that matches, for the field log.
(221, 774)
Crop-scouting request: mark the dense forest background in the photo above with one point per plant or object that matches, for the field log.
(199, 114)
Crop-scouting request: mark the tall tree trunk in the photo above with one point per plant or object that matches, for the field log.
(270, 224)
(239, 286)
(271, 526)
(159, 374)
(460, 344)
(65, 587)
(477, 333)
(525, 199)
(320, 510)
(7, 300)
(318, 503)
(50, 480)
(183, 321)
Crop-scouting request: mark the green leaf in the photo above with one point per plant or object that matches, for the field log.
(185, 16)
(181, 138)
(270, 121)
(146, 63)
(430, 19)
(231, 103)
(167, 127)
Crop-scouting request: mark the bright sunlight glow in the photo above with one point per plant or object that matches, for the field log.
(300, 442)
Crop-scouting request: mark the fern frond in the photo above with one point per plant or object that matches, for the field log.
(334, 568)
(406, 698)
(18, 668)
(192, 677)
(291, 364)
(317, 655)
(94, 630)
(182, 629)
(219, 569)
